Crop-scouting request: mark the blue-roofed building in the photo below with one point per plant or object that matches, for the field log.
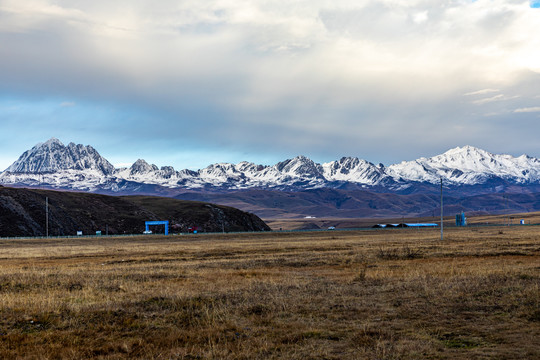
(403, 225)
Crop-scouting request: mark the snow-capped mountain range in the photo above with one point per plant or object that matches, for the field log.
(78, 167)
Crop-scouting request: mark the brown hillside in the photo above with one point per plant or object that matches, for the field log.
(22, 213)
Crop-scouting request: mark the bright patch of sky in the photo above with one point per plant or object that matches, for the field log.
(191, 83)
(535, 4)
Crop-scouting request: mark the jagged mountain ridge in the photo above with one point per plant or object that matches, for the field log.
(53, 156)
(469, 165)
(79, 167)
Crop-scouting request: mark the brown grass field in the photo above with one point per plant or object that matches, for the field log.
(381, 294)
(449, 221)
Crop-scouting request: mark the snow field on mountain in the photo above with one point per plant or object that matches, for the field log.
(81, 167)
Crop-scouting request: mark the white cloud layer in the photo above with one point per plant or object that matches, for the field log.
(528, 110)
(326, 78)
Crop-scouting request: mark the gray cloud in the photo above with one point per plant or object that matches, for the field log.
(378, 79)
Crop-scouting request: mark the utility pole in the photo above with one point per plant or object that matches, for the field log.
(507, 212)
(47, 217)
(441, 212)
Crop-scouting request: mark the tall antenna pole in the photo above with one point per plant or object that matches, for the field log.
(47, 217)
(441, 213)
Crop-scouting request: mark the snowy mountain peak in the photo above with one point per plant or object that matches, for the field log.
(300, 166)
(52, 141)
(466, 151)
(142, 167)
(250, 167)
(53, 156)
(352, 169)
(76, 166)
(468, 165)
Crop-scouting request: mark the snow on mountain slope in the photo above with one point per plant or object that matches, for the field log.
(300, 166)
(247, 175)
(468, 165)
(221, 173)
(83, 180)
(74, 166)
(142, 172)
(81, 167)
(53, 156)
(355, 170)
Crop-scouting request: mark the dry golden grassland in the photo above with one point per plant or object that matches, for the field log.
(348, 223)
(381, 294)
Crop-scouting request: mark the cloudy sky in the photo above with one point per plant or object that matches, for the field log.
(189, 83)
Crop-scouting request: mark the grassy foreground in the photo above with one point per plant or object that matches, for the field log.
(387, 294)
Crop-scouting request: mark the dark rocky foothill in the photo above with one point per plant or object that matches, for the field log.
(22, 213)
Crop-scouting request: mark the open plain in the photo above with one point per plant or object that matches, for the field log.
(379, 294)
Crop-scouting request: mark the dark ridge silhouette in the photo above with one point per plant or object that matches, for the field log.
(22, 213)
